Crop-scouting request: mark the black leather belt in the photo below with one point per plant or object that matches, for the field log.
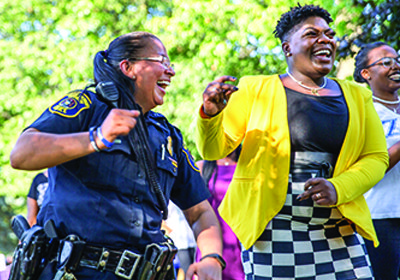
(313, 157)
(316, 164)
(122, 263)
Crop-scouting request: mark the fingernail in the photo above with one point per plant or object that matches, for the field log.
(298, 197)
(235, 88)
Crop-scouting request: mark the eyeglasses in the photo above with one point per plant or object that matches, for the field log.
(161, 59)
(387, 62)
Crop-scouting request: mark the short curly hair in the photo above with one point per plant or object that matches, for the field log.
(297, 15)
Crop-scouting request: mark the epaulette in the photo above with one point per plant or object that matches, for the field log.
(157, 115)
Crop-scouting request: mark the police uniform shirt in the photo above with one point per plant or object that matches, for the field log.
(104, 197)
(38, 188)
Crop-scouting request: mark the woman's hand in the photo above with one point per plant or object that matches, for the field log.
(320, 190)
(217, 94)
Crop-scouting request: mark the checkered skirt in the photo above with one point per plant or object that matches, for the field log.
(307, 241)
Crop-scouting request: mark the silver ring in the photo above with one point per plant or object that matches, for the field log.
(318, 195)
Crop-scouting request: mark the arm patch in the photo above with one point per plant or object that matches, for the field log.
(71, 105)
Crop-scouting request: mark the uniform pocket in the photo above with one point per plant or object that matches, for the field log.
(167, 167)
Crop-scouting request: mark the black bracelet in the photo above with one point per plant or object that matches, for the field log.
(219, 258)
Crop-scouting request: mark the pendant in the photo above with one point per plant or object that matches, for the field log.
(314, 91)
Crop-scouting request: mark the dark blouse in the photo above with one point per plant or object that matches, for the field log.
(316, 123)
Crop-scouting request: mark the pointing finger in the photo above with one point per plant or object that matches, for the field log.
(224, 79)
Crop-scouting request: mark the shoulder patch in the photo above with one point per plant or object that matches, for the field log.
(71, 105)
(190, 159)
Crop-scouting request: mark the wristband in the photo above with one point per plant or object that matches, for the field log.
(92, 142)
(217, 257)
(104, 140)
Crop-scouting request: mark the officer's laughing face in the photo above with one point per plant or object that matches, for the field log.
(153, 76)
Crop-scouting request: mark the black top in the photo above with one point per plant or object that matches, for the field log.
(316, 123)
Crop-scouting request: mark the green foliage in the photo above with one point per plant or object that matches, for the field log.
(47, 48)
(7, 237)
(378, 21)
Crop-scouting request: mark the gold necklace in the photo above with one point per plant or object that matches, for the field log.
(313, 90)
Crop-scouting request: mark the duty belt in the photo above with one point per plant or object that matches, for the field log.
(40, 249)
(155, 264)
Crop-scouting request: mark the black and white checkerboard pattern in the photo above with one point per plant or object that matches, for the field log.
(306, 241)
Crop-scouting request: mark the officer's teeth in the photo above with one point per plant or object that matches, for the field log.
(395, 77)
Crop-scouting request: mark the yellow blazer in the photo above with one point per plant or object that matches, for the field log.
(257, 115)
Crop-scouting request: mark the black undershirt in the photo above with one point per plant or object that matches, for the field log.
(316, 123)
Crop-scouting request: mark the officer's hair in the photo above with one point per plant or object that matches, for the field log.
(361, 60)
(296, 15)
(106, 63)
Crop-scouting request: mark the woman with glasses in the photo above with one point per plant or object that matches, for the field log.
(113, 166)
(312, 146)
(378, 65)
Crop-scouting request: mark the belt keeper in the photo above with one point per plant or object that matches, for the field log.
(103, 260)
(70, 253)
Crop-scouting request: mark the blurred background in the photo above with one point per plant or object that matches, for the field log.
(47, 48)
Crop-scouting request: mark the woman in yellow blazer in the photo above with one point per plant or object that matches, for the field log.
(311, 147)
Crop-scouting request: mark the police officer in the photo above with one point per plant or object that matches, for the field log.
(101, 147)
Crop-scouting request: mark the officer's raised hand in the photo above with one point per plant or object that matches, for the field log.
(217, 94)
(118, 122)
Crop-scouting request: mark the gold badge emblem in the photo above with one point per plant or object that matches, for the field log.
(169, 146)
